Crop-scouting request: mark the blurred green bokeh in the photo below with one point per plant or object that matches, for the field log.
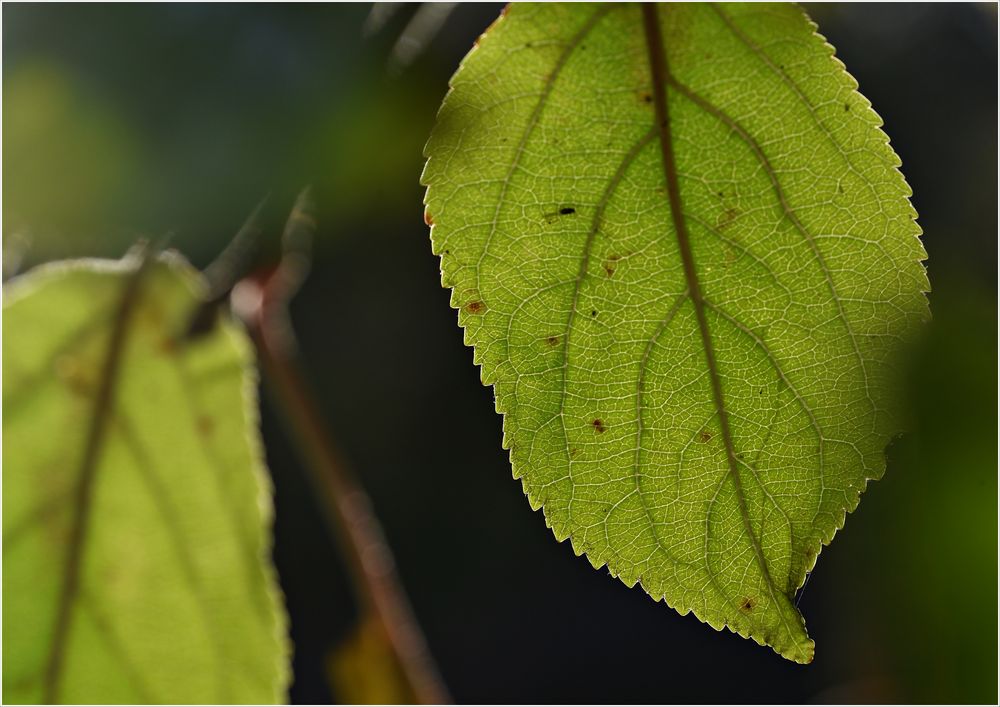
(141, 120)
(147, 121)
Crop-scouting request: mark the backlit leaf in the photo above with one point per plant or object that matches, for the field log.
(136, 507)
(683, 251)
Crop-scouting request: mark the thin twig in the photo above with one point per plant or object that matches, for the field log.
(263, 305)
(224, 272)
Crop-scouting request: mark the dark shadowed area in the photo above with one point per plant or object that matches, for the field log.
(122, 121)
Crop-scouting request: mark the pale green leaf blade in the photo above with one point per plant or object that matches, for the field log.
(701, 431)
(175, 600)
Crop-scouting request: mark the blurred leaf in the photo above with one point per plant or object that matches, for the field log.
(364, 669)
(937, 513)
(370, 154)
(135, 500)
(68, 159)
(944, 545)
(687, 290)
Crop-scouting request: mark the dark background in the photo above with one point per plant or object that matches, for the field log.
(123, 121)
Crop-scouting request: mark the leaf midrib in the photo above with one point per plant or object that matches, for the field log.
(660, 76)
(83, 494)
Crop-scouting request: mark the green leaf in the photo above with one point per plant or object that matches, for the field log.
(136, 505)
(682, 249)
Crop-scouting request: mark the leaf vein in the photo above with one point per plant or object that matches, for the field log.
(790, 214)
(660, 75)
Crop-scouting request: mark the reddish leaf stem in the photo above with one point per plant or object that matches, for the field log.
(263, 306)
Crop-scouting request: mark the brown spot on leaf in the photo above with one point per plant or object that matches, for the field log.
(646, 97)
(704, 436)
(727, 217)
(552, 340)
(168, 345)
(75, 375)
(475, 308)
(747, 604)
(599, 426)
(574, 451)
(205, 425)
(428, 219)
(611, 264)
